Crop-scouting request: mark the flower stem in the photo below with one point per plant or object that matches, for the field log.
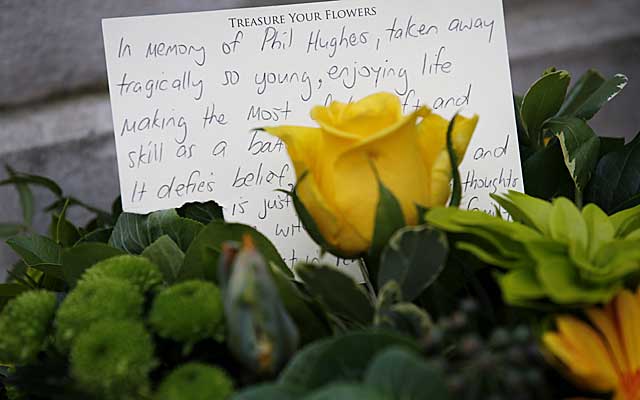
(367, 279)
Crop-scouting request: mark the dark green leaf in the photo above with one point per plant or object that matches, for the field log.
(456, 192)
(202, 212)
(402, 375)
(11, 290)
(308, 316)
(616, 182)
(21, 178)
(343, 358)
(166, 254)
(389, 218)
(26, 198)
(337, 291)
(609, 145)
(63, 232)
(414, 258)
(604, 94)
(55, 270)
(543, 101)
(133, 233)
(269, 391)
(36, 249)
(101, 235)
(545, 174)
(79, 258)
(580, 148)
(201, 258)
(580, 92)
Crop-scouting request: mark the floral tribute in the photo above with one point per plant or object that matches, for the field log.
(539, 301)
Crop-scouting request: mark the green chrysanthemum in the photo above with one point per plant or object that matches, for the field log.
(112, 359)
(24, 326)
(136, 270)
(93, 301)
(195, 381)
(187, 312)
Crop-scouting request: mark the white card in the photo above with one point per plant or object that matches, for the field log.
(187, 90)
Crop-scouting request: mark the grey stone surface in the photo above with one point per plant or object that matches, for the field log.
(55, 117)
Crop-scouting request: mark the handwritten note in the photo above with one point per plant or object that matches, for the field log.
(187, 90)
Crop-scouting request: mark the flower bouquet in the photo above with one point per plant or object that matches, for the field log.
(539, 301)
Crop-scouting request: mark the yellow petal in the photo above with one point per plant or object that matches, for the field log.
(335, 230)
(628, 312)
(583, 352)
(302, 144)
(396, 157)
(606, 324)
(432, 139)
(360, 119)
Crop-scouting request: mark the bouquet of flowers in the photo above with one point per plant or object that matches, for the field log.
(542, 303)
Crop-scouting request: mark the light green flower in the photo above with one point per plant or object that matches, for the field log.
(112, 359)
(551, 251)
(195, 381)
(25, 324)
(93, 301)
(136, 270)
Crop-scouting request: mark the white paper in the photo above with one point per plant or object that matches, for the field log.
(187, 90)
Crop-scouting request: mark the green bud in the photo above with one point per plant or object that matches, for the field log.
(261, 334)
(136, 270)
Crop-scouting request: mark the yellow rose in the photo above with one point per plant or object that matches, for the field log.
(339, 188)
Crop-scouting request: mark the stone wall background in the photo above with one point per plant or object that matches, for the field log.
(55, 117)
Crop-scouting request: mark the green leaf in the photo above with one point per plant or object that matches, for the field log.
(201, 258)
(54, 270)
(62, 231)
(600, 229)
(346, 391)
(26, 198)
(588, 83)
(543, 100)
(604, 94)
(202, 212)
(389, 218)
(269, 391)
(580, 148)
(337, 291)
(36, 249)
(406, 318)
(567, 225)
(617, 179)
(402, 375)
(10, 290)
(308, 316)
(133, 233)
(83, 256)
(545, 174)
(456, 192)
(343, 358)
(166, 254)
(414, 258)
(101, 235)
(520, 286)
(20, 178)
(7, 230)
(526, 210)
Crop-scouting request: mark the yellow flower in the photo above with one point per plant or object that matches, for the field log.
(340, 189)
(603, 356)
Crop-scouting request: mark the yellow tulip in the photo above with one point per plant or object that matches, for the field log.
(603, 356)
(339, 161)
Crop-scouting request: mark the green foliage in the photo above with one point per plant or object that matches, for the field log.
(78, 259)
(195, 381)
(92, 301)
(616, 182)
(394, 314)
(552, 251)
(187, 312)
(337, 292)
(389, 218)
(558, 148)
(112, 359)
(24, 326)
(166, 254)
(135, 270)
(414, 257)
